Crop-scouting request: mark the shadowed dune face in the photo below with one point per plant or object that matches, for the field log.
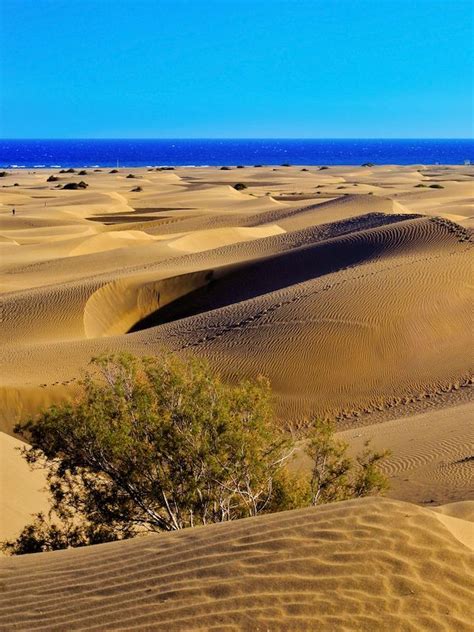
(370, 564)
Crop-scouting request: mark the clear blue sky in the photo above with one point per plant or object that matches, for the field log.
(236, 68)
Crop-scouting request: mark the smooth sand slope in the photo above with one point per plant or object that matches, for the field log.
(370, 564)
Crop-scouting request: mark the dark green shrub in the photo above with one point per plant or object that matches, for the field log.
(74, 186)
(240, 186)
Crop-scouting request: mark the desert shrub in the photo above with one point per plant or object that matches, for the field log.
(114, 171)
(240, 186)
(130, 175)
(304, 169)
(159, 444)
(285, 164)
(4, 174)
(74, 186)
(334, 475)
(97, 170)
(156, 445)
(258, 166)
(225, 168)
(420, 185)
(15, 184)
(368, 164)
(165, 169)
(82, 173)
(323, 168)
(240, 167)
(436, 186)
(136, 190)
(52, 179)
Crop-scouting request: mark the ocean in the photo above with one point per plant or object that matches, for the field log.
(201, 152)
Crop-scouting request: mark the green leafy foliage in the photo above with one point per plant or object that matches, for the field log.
(160, 444)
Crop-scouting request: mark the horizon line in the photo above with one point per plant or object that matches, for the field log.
(242, 138)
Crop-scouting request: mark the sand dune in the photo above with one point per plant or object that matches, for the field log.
(348, 287)
(21, 489)
(369, 564)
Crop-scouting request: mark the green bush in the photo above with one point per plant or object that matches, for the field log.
(240, 186)
(159, 444)
(74, 186)
(52, 179)
(436, 186)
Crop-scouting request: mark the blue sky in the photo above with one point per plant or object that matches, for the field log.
(236, 68)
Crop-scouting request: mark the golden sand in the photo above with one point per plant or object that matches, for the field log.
(349, 288)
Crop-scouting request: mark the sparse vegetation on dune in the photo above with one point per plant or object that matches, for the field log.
(160, 444)
(240, 186)
(74, 186)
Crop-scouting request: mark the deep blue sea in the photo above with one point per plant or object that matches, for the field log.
(195, 152)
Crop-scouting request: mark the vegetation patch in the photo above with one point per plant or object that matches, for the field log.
(160, 444)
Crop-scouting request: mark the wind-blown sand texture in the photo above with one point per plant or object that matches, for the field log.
(336, 285)
(349, 287)
(367, 565)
